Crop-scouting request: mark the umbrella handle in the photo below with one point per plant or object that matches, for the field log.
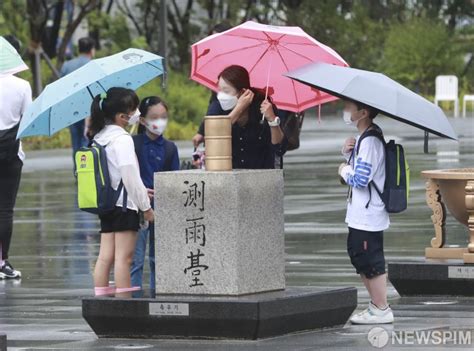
(268, 81)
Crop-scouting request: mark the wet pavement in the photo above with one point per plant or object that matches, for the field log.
(55, 246)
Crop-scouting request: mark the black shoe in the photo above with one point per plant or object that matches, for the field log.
(8, 272)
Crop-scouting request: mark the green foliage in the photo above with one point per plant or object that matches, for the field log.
(60, 140)
(412, 42)
(12, 20)
(187, 101)
(417, 51)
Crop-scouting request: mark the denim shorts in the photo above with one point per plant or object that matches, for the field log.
(365, 250)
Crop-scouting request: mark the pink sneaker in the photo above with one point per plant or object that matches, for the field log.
(103, 291)
(124, 290)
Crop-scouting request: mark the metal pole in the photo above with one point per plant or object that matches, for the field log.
(163, 39)
(425, 146)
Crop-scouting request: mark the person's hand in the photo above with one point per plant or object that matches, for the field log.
(198, 139)
(349, 145)
(151, 193)
(245, 99)
(341, 166)
(266, 108)
(149, 215)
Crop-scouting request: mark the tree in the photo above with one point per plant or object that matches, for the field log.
(84, 7)
(417, 51)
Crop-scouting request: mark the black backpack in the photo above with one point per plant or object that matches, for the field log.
(9, 144)
(397, 174)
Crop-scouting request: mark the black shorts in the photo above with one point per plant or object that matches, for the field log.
(119, 221)
(365, 250)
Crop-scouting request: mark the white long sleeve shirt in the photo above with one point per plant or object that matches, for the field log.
(123, 165)
(368, 165)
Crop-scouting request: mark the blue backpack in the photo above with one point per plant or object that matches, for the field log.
(397, 174)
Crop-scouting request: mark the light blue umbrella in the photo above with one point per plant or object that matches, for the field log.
(376, 90)
(69, 99)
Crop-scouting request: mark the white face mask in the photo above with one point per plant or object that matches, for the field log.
(134, 118)
(157, 126)
(227, 101)
(346, 116)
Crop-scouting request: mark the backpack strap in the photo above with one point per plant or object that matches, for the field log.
(375, 131)
(169, 152)
(120, 186)
(138, 144)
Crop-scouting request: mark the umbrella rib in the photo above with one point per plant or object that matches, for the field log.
(287, 69)
(297, 53)
(259, 59)
(270, 38)
(90, 92)
(159, 69)
(49, 121)
(243, 36)
(230, 52)
(105, 90)
(306, 44)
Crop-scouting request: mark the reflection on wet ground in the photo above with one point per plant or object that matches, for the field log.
(55, 244)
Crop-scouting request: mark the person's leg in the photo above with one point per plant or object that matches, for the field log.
(105, 260)
(366, 283)
(371, 265)
(378, 290)
(124, 249)
(10, 175)
(77, 139)
(152, 257)
(136, 272)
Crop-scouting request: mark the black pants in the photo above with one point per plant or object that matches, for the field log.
(10, 174)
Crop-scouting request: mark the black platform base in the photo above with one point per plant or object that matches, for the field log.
(245, 317)
(432, 278)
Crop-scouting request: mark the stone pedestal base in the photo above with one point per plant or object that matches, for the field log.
(432, 278)
(3, 342)
(251, 317)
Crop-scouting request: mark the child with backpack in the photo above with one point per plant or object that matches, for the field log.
(155, 154)
(371, 197)
(109, 184)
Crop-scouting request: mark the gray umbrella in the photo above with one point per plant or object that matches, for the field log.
(378, 91)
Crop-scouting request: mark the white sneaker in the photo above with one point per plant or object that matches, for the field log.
(373, 315)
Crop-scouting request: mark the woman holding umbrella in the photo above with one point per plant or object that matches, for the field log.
(255, 143)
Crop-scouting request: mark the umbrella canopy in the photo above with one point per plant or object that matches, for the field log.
(378, 91)
(69, 99)
(10, 59)
(266, 52)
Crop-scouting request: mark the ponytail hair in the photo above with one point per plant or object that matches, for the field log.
(107, 105)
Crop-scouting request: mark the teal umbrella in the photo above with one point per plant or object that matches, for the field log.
(10, 59)
(68, 100)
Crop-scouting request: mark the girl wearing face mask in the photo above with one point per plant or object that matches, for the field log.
(111, 112)
(255, 143)
(155, 154)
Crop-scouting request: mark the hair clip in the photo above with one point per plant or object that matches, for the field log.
(103, 96)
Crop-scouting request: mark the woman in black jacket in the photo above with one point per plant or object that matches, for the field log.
(255, 142)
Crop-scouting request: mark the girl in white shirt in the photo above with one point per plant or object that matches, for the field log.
(111, 112)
